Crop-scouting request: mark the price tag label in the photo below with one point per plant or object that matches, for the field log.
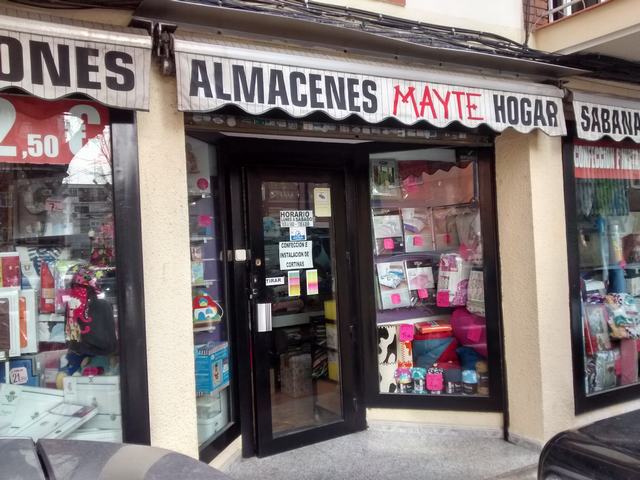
(18, 376)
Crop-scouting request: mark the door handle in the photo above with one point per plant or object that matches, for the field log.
(263, 316)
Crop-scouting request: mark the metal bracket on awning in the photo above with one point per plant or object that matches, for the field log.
(163, 50)
(163, 47)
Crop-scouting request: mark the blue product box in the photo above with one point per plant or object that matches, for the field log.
(22, 371)
(212, 367)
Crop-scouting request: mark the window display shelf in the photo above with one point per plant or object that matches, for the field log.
(198, 196)
(412, 255)
(72, 239)
(201, 238)
(415, 203)
(628, 266)
(206, 328)
(205, 283)
(410, 315)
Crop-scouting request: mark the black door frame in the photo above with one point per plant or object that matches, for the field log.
(134, 386)
(240, 157)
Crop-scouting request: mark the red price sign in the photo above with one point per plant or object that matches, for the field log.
(52, 132)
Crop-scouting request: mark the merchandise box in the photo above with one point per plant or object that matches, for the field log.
(387, 231)
(330, 312)
(48, 364)
(295, 374)
(384, 178)
(28, 321)
(214, 419)
(197, 272)
(10, 321)
(418, 229)
(96, 435)
(10, 269)
(392, 283)
(22, 371)
(332, 335)
(212, 367)
(103, 421)
(101, 391)
(421, 282)
(39, 413)
(334, 366)
(62, 276)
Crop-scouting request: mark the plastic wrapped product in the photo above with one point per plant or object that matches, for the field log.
(470, 330)
(624, 320)
(453, 281)
(405, 354)
(419, 378)
(452, 378)
(386, 377)
(435, 380)
(404, 380)
(388, 344)
(475, 293)
(482, 369)
(469, 382)
(601, 370)
(430, 348)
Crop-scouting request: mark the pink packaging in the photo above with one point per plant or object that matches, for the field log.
(628, 362)
(470, 330)
(453, 281)
(406, 332)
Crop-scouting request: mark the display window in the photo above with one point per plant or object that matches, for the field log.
(209, 309)
(428, 270)
(606, 178)
(59, 341)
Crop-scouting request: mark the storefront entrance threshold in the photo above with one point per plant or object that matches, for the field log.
(382, 454)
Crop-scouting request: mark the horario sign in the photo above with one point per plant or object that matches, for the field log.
(211, 78)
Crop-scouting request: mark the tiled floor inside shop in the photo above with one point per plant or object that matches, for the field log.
(398, 454)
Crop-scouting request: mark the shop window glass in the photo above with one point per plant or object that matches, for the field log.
(210, 313)
(608, 229)
(59, 363)
(428, 267)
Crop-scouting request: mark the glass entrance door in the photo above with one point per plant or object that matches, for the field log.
(301, 321)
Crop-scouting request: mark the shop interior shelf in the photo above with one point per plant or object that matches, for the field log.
(410, 315)
(215, 391)
(403, 256)
(415, 203)
(292, 319)
(201, 238)
(197, 196)
(206, 328)
(44, 240)
(628, 266)
(205, 283)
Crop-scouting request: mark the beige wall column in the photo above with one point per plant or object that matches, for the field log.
(534, 278)
(167, 274)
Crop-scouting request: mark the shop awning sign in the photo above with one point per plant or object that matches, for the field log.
(52, 58)
(599, 116)
(212, 75)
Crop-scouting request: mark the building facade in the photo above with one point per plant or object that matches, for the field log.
(316, 228)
